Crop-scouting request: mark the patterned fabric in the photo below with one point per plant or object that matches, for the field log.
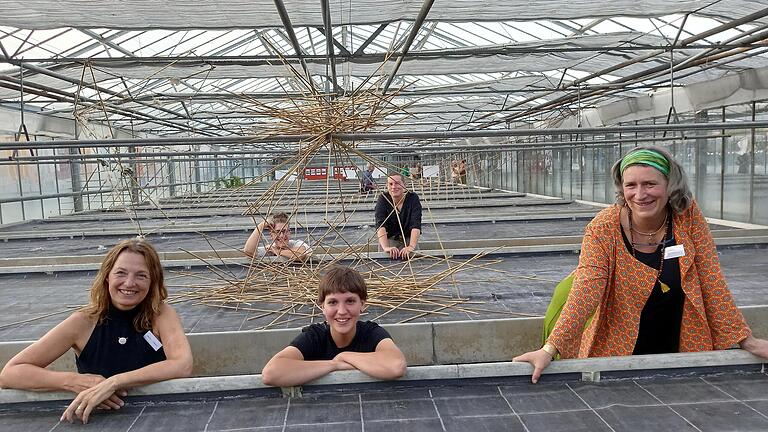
(559, 297)
(711, 319)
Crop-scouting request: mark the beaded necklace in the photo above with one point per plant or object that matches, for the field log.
(668, 223)
(650, 234)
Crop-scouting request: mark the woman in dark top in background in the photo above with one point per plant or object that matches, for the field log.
(398, 219)
(127, 336)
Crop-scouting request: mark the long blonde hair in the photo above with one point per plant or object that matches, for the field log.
(149, 308)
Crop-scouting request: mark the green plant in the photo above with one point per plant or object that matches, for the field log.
(229, 183)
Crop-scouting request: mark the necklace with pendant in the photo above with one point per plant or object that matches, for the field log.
(664, 287)
(650, 235)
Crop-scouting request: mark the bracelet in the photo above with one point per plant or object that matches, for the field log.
(550, 349)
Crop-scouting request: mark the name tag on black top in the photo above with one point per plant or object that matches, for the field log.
(152, 340)
(675, 251)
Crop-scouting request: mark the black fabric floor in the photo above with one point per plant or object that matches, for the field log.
(733, 401)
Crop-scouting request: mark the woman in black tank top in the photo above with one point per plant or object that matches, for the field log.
(125, 337)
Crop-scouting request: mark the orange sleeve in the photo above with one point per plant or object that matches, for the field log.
(589, 285)
(726, 323)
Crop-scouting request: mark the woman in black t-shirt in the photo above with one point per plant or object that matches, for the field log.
(341, 343)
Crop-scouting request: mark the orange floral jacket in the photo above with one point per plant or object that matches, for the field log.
(610, 282)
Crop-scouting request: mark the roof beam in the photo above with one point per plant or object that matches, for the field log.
(272, 57)
(704, 61)
(246, 39)
(466, 30)
(430, 29)
(329, 40)
(5, 53)
(646, 74)
(91, 46)
(404, 135)
(294, 41)
(106, 41)
(370, 39)
(96, 87)
(40, 44)
(411, 37)
(446, 37)
(588, 26)
(22, 44)
(342, 49)
(571, 30)
(12, 83)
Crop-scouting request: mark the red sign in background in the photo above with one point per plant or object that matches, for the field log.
(315, 173)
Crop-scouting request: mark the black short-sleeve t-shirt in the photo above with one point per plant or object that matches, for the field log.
(315, 341)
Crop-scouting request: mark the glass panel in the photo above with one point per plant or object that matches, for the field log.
(736, 187)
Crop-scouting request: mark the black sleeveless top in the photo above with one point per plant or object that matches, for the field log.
(662, 314)
(105, 355)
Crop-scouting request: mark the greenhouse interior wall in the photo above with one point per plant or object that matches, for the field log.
(727, 170)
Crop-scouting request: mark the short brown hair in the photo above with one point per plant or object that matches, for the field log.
(340, 279)
(149, 308)
(278, 218)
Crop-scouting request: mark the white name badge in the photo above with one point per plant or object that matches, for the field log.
(152, 340)
(674, 252)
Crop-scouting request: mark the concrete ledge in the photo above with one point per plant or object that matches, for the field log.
(485, 340)
(247, 225)
(427, 373)
(436, 343)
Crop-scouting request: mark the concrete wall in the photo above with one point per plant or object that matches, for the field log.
(439, 343)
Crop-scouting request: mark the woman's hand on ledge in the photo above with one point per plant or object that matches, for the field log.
(539, 359)
(104, 395)
(756, 346)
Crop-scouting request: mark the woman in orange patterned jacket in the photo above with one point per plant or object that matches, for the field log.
(648, 275)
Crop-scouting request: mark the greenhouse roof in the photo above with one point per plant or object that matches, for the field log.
(218, 68)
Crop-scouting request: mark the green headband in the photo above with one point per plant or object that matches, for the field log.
(646, 157)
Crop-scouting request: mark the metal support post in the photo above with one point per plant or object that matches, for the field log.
(132, 175)
(171, 178)
(77, 183)
(700, 157)
(752, 167)
(196, 171)
(722, 166)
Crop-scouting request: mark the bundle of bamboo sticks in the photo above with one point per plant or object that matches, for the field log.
(281, 292)
(287, 293)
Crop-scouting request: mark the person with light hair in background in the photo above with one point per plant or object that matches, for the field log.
(282, 244)
(455, 176)
(463, 171)
(417, 173)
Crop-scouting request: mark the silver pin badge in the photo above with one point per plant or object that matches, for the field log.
(122, 340)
